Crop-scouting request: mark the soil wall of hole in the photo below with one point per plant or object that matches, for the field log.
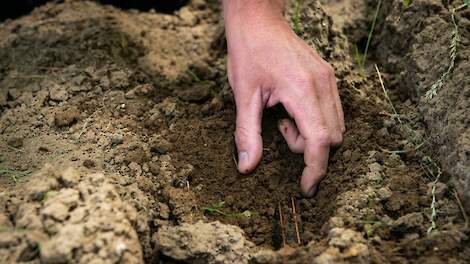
(414, 45)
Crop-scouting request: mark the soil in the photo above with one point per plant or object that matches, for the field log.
(117, 143)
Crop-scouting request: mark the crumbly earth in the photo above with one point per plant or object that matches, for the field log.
(415, 68)
(133, 113)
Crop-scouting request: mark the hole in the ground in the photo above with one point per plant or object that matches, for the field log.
(14, 9)
(163, 6)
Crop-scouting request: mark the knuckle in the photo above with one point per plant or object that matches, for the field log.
(324, 73)
(303, 82)
(337, 139)
(322, 137)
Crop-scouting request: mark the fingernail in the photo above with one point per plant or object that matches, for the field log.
(312, 191)
(242, 159)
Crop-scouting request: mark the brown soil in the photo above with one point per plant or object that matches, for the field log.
(138, 103)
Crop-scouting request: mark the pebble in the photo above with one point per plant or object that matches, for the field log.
(66, 117)
(57, 92)
(15, 142)
(407, 222)
(117, 139)
(135, 169)
(88, 163)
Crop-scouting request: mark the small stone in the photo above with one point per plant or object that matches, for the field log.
(374, 177)
(344, 238)
(57, 211)
(145, 167)
(66, 117)
(375, 167)
(187, 17)
(105, 83)
(14, 94)
(143, 89)
(57, 92)
(336, 221)
(406, 223)
(129, 94)
(70, 177)
(137, 155)
(160, 145)
(204, 242)
(202, 70)
(118, 159)
(196, 93)
(384, 193)
(119, 79)
(163, 211)
(167, 107)
(135, 169)
(216, 104)
(117, 139)
(40, 98)
(89, 163)
(15, 142)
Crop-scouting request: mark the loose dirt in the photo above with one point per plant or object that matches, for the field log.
(133, 114)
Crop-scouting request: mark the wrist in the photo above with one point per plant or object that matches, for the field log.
(242, 15)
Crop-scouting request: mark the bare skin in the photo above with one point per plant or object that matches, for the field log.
(268, 64)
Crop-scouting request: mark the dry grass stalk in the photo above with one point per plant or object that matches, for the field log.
(294, 213)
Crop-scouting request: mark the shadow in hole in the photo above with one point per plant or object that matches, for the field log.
(162, 6)
(17, 8)
(14, 9)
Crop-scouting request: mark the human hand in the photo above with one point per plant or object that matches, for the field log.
(268, 64)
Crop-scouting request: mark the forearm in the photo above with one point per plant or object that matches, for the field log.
(243, 16)
(252, 8)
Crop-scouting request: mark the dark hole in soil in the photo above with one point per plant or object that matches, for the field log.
(162, 6)
(14, 9)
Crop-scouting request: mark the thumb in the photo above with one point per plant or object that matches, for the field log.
(248, 131)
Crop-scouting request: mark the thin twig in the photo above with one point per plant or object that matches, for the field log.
(234, 160)
(386, 94)
(85, 125)
(295, 219)
(464, 214)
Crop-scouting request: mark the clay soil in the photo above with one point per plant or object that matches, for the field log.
(117, 126)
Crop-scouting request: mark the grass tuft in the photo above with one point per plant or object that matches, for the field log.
(296, 18)
(15, 174)
(371, 33)
(433, 171)
(215, 208)
(407, 3)
(436, 177)
(218, 209)
(454, 44)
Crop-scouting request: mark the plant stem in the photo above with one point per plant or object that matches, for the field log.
(369, 38)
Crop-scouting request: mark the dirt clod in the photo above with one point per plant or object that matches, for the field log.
(66, 117)
(204, 243)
